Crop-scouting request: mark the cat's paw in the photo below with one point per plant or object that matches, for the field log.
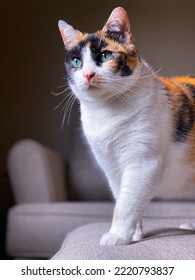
(138, 235)
(189, 226)
(111, 239)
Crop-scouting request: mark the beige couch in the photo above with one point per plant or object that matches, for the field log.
(62, 209)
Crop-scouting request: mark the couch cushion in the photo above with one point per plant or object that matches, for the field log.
(38, 229)
(162, 241)
(162, 237)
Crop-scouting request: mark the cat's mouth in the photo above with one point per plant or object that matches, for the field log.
(93, 87)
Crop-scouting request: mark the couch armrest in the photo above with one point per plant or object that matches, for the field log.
(37, 174)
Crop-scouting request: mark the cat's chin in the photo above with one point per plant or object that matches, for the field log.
(98, 92)
(90, 93)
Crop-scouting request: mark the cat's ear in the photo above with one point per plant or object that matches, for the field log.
(117, 26)
(69, 33)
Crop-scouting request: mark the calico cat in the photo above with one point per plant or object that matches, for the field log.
(140, 126)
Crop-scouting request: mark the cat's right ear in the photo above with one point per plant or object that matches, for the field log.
(69, 33)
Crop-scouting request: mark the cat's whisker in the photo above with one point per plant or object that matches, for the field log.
(126, 94)
(125, 88)
(65, 78)
(121, 96)
(68, 102)
(66, 105)
(62, 101)
(67, 108)
(67, 88)
(135, 77)
(70, 108)
(62, 86)
(152, 73)
(126, 99)
(144, 89)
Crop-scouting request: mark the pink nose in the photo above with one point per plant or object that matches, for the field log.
(89, 76)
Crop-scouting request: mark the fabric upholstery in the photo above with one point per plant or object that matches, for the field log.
(163, 240)
(162, 237)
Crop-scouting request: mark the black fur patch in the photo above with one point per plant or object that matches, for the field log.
(96, 42)
(116, 36)
(123, 66)
(185, 120)
(192, 89)
(132, 53)
(96, 48)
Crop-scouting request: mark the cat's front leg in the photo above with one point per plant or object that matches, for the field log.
(137, 189)
(119, 234)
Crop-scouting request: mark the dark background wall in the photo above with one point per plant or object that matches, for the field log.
(32, 57)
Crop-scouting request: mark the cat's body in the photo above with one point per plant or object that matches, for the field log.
(140, 126)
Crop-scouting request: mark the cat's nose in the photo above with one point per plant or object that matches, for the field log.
(89, 76)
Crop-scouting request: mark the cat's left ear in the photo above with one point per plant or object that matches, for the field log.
(69, 33)
(117, 26)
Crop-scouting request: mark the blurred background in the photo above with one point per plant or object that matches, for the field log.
(32, 65)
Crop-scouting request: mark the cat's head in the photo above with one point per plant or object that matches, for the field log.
(99, 65)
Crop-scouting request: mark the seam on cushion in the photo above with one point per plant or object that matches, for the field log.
(61, 214)
(98, 215)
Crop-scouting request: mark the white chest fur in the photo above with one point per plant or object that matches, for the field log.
(121, 133)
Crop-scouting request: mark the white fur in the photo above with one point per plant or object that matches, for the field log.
(127, 122)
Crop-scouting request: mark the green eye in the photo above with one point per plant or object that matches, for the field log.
(76, 62)
(105, 56)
